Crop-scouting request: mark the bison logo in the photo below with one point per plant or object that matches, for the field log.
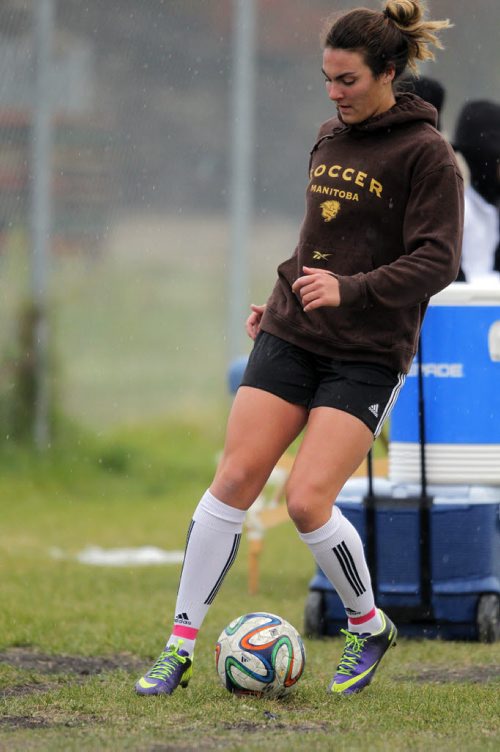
(329, 210)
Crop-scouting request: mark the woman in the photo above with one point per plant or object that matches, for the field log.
(381, 235)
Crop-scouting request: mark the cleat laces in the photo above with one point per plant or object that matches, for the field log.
(352, 653)
(167, 663)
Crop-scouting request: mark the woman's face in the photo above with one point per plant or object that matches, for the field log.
(351, 85)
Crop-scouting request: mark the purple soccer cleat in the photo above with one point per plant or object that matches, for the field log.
(361, 657)
(174, 667)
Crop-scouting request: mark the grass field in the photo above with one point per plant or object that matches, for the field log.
(138, 338)
(74, 637)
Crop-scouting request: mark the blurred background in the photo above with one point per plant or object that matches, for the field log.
(117, 190)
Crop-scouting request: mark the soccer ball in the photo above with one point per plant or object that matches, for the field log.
(259, 654)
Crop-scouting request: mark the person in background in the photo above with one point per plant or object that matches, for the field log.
(430, 90)
(477, 139)
(381, 234)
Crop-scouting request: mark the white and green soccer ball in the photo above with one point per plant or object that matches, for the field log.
(260, 654)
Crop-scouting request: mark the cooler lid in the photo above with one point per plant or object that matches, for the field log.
(468, 294)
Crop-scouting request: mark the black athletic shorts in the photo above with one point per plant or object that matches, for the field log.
(366, 390)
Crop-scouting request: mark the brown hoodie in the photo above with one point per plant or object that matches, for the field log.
(384, 214)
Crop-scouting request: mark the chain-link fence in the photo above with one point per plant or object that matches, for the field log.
(140, 181)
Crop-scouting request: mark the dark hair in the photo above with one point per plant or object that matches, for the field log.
(429, 90)
(477, 137)
(397, 36)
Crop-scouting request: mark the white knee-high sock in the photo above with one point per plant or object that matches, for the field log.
(212, 544)
(338, 551)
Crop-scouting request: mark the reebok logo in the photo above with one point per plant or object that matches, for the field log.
(374, 410)
(182, 618)
(319, 256)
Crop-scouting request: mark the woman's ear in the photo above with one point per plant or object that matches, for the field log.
(389, 74)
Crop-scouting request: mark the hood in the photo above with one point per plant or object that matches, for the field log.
(408, 108)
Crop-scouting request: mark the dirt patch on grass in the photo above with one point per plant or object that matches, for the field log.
(78, 667)
(245, 727)
(18, 690)
(31, 660)
(12, 722)
(23, 721)
(204, 744)
(470, 674)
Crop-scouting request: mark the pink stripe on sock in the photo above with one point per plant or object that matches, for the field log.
(362, 619)
(188, 632)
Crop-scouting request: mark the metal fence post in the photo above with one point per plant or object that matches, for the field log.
(41, 211)
(243, 106)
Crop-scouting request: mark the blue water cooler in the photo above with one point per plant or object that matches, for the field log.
(461, 392)
(435, 567)
(432, 529)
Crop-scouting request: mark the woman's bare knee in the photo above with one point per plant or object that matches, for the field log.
(237, 483)
(309, 504)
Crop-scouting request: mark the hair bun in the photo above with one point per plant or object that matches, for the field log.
(406, 13)
(420, 34)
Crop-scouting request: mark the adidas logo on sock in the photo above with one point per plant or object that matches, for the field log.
(352, 612)
(182, 618)
(374, 410)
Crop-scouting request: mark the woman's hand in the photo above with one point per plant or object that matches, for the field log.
(317, 288)
(252, 325)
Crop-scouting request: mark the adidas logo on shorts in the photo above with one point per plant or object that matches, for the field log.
(374, 410)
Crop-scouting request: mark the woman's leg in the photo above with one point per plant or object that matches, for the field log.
(260, 428)
(334, 445)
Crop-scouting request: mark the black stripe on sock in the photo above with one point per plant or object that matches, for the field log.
(227, 567)
(188, 536)
(353, 568)
(345, 561)
(347, 575)
(190, 530)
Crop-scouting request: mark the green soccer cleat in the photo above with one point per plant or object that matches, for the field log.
(174, 667)
(361, 657)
